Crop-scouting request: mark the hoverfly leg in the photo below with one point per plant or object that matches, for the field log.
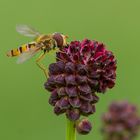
(61, 51)
(55, 44)
(41, 66)
(57, 58)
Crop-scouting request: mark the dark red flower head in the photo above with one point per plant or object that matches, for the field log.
(93, 60)
(121, 121)
(82, 69)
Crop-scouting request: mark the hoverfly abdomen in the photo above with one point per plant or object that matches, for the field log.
(14, 52)
(21, 49)
(31, 45)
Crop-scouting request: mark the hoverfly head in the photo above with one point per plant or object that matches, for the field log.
(60, 39)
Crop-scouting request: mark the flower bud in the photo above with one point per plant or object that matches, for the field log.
(83, 126)
(73, 114)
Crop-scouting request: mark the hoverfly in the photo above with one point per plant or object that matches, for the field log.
(44, 42)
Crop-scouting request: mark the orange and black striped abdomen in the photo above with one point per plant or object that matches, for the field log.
(21, 49)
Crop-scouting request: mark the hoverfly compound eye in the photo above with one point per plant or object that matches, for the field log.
(59, 39)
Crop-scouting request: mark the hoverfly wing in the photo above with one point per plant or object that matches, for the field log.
(27, 31)
(27, 55)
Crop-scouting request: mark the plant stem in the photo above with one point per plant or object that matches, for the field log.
(70, 133)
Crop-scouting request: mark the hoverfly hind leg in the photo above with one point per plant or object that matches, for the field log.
(41, 66)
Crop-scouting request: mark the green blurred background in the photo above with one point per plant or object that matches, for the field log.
(24, 110)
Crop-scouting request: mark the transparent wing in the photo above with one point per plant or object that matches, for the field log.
(27, 31)
(27, 55)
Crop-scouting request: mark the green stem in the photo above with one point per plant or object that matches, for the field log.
(70, 133)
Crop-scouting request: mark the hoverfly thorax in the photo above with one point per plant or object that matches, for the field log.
(42, 38)
(46, 41)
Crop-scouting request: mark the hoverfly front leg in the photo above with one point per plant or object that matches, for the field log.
(54, 44)
(57, 57)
